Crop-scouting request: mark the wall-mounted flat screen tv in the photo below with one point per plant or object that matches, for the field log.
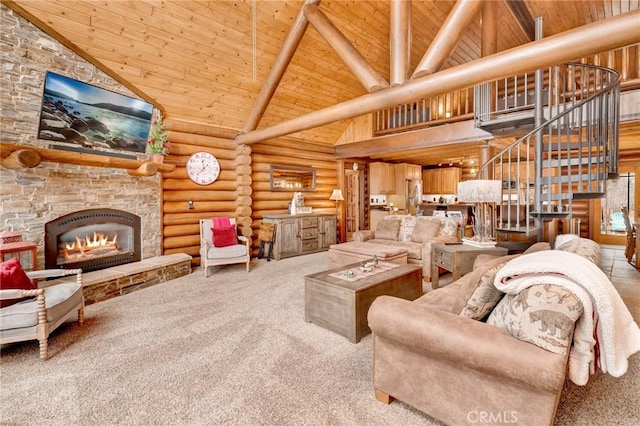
(78, 114)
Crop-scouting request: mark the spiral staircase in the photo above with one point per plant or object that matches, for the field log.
(566, 121)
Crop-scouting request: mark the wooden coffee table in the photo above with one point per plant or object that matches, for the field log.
(342, 306)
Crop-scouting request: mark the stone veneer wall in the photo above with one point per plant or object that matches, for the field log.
(31, 197)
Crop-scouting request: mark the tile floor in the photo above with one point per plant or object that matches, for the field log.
(625, 277)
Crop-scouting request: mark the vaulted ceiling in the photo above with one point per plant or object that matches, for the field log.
(206, 61)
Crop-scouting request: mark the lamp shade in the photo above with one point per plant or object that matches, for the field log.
(480, 191)
(336, 195)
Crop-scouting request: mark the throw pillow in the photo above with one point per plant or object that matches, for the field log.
(388, 229)
(449, 227)
(543, 314)
(224, 236)
(407, 223)
(585, 247)
(478, 296)
(424, 230)
(12, 277)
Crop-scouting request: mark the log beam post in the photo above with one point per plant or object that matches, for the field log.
(289, 47)
(400, 41)
(447, 38)
(146, 169)
(608, 34)
(21, 159)
(368, 76)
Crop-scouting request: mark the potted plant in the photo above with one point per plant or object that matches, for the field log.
(157, 143)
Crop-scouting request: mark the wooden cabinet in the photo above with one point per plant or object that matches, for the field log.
(382, 179)
(302, 234)
(441, 181)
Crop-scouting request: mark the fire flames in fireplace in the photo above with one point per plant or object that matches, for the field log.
(100, 245)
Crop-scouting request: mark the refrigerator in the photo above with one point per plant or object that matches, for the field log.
(412, 195)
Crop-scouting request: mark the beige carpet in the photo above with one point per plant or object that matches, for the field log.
(230, 349)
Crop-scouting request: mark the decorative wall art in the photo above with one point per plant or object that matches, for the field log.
(79, 115)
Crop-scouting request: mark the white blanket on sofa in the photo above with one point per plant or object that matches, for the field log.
(606, 334)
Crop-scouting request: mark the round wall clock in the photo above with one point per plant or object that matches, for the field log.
(203, 168)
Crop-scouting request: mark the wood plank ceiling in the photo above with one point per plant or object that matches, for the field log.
(206, 61)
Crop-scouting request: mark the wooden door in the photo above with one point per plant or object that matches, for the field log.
(352, 204)
(327, 231)
(289, 237)
(601, 226)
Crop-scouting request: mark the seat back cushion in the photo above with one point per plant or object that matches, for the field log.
(388, 229)
(425, 229)
(12, 277)
(543, 314)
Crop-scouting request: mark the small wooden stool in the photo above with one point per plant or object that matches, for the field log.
(266, 236)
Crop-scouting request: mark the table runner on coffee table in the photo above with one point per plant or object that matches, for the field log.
(359, 274)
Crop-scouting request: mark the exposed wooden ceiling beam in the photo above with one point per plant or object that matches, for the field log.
(289, 47)
(400, 41)
(448, 37)
(589, 39)
(368, 76)
(525, 21)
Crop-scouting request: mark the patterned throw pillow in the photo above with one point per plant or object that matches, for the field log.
(388, 229)
(543, 314)
(407, 225)
(478, 296)
(449, 227)
(585, 247)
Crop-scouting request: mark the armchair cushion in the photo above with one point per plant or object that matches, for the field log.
(59, 299)
(388, 230)
(228, 252)
(12, 276)
(224, 236)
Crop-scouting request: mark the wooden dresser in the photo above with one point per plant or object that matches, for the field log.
(302, 234)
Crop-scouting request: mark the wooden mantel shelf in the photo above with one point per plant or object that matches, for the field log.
(13, 156)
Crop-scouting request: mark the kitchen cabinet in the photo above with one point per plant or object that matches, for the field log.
(302, 234)
(382, 178)
(441, 181)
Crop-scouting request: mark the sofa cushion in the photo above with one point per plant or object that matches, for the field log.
(388, 229)
(442, 298)
(425, 230)
(407, 224)
(543, 314)
(585, 247)
(540, 246)
(477, 295)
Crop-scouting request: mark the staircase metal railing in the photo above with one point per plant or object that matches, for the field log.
(569, 156)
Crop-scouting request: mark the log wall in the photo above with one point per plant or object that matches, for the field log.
(290, 153)
(242, 189)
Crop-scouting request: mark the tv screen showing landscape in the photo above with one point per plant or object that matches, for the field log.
(86, 116)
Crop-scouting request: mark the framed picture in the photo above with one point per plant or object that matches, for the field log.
(439, 213)
(77, 114)
(457, 216)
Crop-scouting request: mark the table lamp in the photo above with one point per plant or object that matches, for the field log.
(483, 193)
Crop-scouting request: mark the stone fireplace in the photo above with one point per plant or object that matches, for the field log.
(92, 239)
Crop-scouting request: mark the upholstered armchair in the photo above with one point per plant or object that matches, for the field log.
(42, 308)
(211, 255)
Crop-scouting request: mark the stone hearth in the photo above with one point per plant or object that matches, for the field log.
(122, 279)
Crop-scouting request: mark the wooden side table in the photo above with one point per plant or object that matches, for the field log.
(19, 247)
(457, 259)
